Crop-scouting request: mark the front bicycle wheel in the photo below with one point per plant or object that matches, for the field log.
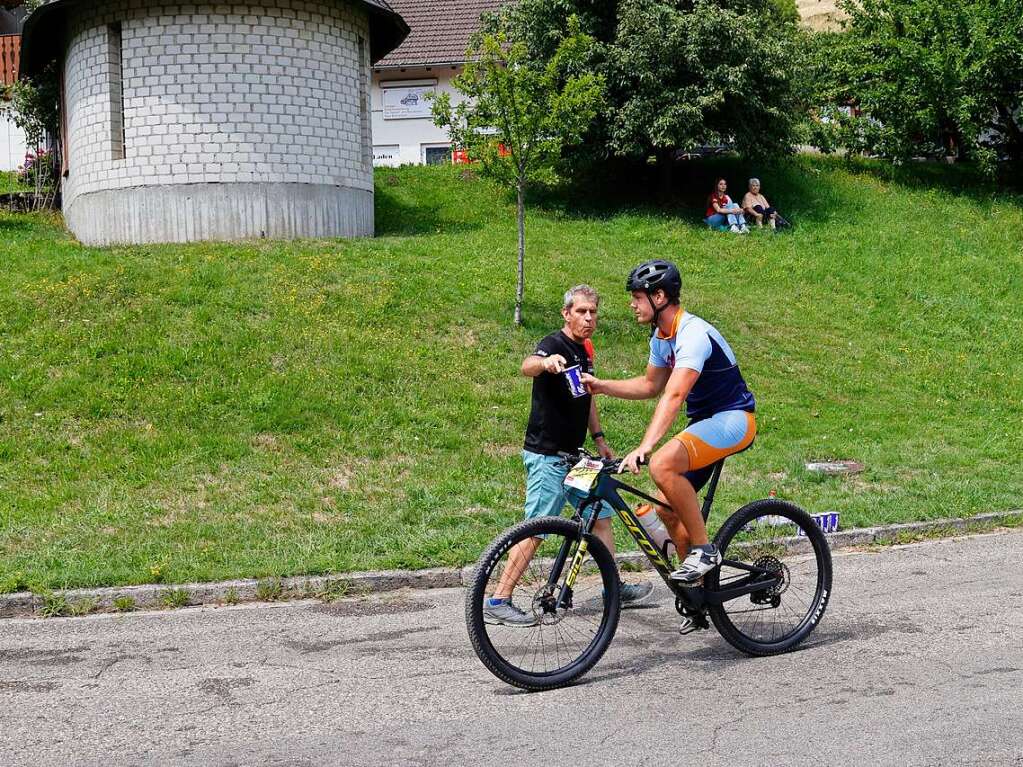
(560, 634)
(779, 538)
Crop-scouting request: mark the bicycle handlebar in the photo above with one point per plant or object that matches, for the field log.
(612, 465)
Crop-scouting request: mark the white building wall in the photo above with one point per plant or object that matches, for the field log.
(404, 141)
(12, 143)
(267, 96)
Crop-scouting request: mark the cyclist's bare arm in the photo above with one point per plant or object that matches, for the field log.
(668, 407)
(667, 410)
(534, 365)
(641, 387)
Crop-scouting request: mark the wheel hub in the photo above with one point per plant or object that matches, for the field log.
(545, 605)
(777, 568)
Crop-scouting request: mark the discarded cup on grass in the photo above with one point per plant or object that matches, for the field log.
(575, 383)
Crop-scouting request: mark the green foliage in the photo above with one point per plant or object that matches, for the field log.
(683, 73)
(785, 11)
(174, 598)
(124, 604)
(519, 113)
(930, 77)
(708, 74)
(35, 106)
(269, 589)
(531, 110)
(83, 606)
(54, 605)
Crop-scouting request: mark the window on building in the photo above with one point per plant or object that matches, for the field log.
(115, 68)
(437, 155)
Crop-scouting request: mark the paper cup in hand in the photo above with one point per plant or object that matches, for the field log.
(575, 384)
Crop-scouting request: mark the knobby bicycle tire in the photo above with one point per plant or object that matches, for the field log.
(772, 508)
(477, 592)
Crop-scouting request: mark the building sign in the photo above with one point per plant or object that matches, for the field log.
(407, 100)
(388, 155)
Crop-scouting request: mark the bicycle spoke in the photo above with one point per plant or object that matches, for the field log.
(560, 636)
(779, 612)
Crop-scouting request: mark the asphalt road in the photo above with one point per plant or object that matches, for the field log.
(919, 661)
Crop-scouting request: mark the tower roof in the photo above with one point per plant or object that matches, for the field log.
(43, 33)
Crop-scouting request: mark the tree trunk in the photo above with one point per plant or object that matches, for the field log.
(520, 285)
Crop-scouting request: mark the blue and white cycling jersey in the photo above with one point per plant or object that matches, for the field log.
(696, 344)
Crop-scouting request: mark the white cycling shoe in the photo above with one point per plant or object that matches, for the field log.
(700, 561)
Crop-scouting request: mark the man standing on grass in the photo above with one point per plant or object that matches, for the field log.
(557, 423)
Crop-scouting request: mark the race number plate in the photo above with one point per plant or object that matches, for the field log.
(583, 475)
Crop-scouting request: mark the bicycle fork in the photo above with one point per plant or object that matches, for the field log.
(565, 592)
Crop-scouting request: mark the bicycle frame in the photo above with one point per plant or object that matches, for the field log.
(693, 597)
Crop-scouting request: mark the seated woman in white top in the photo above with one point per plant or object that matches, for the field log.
(756, 205)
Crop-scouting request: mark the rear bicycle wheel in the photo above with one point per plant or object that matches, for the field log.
(559, 644)
(782, 539)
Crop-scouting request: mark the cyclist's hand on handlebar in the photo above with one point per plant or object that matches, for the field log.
(554, 364)
(604, 449)
(632, 461)
(591, 383)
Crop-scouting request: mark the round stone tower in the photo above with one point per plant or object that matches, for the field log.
(214, 120)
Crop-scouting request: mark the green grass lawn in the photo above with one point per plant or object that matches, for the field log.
(199, 412)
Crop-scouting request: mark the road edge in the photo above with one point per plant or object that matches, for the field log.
(336, 586)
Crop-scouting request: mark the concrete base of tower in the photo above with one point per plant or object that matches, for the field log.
(228, 211)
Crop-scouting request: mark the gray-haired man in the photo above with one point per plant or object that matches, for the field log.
(557, 423)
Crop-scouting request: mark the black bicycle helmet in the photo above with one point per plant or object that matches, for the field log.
(656, 275)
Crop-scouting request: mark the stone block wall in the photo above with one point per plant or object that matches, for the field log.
(267, 95)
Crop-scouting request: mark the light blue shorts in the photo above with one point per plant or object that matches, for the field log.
(546, 494)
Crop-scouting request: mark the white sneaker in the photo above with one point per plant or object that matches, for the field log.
(698, 563)
(744, 229)
(734, 229)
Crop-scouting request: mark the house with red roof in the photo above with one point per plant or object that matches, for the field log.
(12, 140)
(426, 62)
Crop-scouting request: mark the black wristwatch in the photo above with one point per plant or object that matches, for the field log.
(596, 435)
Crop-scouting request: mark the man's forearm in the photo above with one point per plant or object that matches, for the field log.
(664, 416)
(532, 366)
(639, 387)
(593, 423)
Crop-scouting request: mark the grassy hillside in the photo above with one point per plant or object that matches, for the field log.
(265, 408)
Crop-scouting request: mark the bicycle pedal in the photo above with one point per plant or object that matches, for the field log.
(688, 626)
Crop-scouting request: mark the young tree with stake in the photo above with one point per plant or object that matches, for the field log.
(518, 115)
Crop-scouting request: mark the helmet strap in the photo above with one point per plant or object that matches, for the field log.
(657, 312)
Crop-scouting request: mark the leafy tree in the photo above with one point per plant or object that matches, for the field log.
(927, 77)
(518, 114)
(682, 73)
(34, 108)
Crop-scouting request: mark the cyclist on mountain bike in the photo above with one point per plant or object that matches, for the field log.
(689, 361)
(558, 422)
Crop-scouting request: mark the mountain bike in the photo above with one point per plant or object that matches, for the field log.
(768, 595)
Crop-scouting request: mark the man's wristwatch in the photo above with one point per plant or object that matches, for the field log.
(597, 435)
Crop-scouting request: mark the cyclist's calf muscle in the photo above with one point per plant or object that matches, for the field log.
(685, 523)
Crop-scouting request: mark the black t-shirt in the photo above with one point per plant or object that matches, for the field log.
(557, 420)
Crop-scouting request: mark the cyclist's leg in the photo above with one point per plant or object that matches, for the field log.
(701, 444)
(545, 497)
(684, 522)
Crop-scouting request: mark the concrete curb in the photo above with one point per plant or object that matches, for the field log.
(157, 596)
